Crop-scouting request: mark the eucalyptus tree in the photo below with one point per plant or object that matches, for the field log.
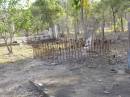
(117, 9)
(82, 7)
(101, 14)
(48, 11)
(74, 15)
(124, 5)
(113, 5)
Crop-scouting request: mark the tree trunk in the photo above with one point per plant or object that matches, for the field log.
(62, 30)
(58, 26)
(114, 20)
(8, 46)
(82, 20)
(53, 32)
(129, 45)
(82, 12)
(51, 25)
(68, 31)
(103, 26)
(122, 24)
(103, 34)
(76, 32)
(37, 31)
(67, 27)
(27, 33)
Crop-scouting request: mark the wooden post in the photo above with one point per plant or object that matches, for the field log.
(129, 45)
(128, 18)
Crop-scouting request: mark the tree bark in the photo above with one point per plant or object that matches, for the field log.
(103, 28)
(67, 27)
(76, 31)
(122, 24)
(27, 33)
(129, 45)
(51, 25)
(82, 20)
(8, 46)
(114, 20)
(62, 30)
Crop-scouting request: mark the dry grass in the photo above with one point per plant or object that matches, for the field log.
(19, 53)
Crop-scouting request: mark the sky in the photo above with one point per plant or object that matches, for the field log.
(97, 0)
(23, 2)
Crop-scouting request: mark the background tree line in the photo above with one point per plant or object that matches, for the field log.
(84, 17)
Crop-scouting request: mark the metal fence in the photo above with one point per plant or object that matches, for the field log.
(69, 49)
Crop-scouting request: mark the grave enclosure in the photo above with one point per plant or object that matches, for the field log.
(60, 50)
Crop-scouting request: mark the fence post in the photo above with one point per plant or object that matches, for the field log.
(129, 45)
(128, 19)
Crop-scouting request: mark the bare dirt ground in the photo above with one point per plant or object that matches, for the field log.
(98, 78)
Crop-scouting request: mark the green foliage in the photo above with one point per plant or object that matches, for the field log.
(47, 10)
(77, 4)
(45, 13)
(2, 27)
(26, 20)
